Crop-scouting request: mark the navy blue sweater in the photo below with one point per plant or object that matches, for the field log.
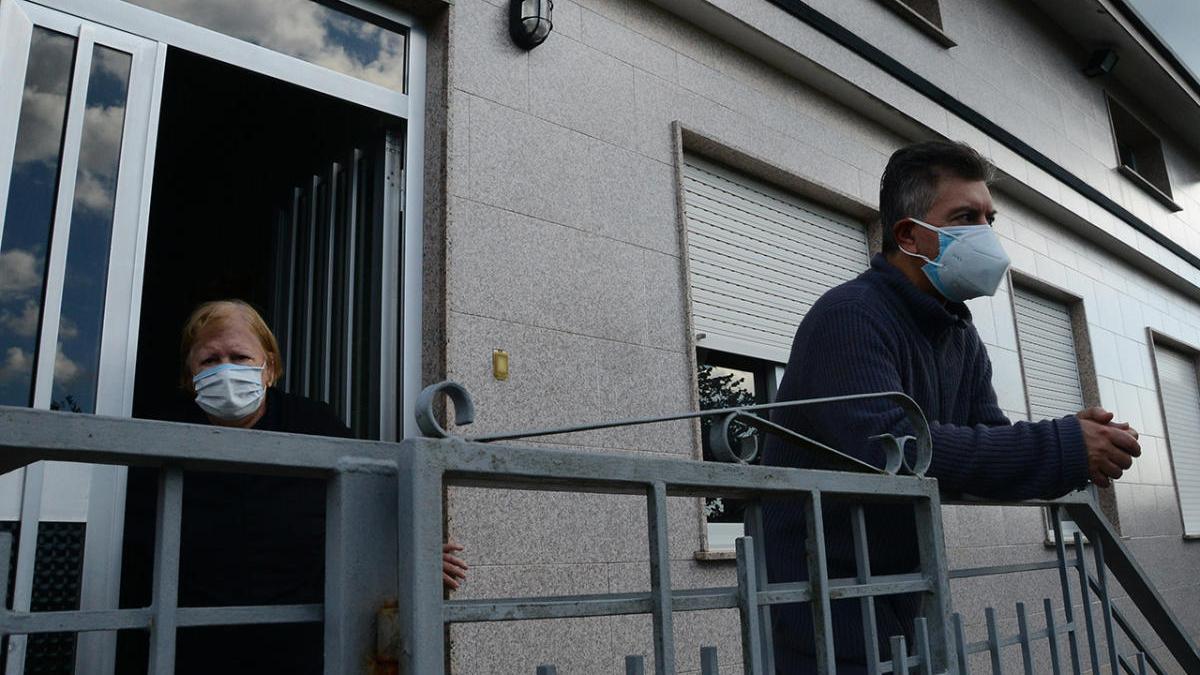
(880, 333)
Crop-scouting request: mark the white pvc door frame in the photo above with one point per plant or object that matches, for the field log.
(101, 573)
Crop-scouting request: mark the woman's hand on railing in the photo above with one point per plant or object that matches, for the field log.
(454, 568)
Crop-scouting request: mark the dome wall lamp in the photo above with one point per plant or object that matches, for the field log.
(529, 21)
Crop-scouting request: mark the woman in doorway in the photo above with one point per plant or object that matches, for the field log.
(252, 539)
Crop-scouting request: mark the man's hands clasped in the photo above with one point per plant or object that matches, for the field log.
(1111, 446)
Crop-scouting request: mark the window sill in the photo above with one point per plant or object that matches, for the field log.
(930, 29)
(715, 556)
(1151, 189)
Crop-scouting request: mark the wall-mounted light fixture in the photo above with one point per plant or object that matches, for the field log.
(1101, 62)
(529, 21)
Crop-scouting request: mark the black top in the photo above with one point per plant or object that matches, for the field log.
(245, 540)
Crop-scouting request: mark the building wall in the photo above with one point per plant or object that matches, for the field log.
(563, 248)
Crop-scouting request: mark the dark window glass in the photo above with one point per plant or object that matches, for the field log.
(29, 215)
(306, 29)
(1138, 148)
(82, 319)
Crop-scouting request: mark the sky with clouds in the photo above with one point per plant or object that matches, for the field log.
(1177, 22)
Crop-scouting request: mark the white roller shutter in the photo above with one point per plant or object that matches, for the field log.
(1181, 405)
(1048, 355)
(759, 258)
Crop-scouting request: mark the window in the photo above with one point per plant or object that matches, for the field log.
(925, 15)
(758, 258)
(1140, 154)
(1179, 392)
(726, 381)
(1050, 363)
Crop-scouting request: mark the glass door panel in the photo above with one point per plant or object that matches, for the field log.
(29, 211)
(77, 101)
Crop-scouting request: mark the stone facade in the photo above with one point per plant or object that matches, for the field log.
(562, 246)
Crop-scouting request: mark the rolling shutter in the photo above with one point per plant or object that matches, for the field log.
(1181, 406)
(1048, 354)
(759, 258)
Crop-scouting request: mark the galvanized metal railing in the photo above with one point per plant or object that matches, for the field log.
(384, 528)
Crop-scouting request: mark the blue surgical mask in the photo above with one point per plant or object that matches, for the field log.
(970, 263)
(229, 391)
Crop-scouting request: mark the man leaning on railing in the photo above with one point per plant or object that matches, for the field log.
(902, 326)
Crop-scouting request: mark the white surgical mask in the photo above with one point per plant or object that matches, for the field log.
(970, 263)
(229, 391)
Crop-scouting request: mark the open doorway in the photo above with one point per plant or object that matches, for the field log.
(271, 193)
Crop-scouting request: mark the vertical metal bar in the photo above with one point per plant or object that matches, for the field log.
(310, 254)
(6, 542)
(1052, 632)
(290, 310)
(1023, 632)
(419, 540)
(708, 661)
(1081, 567)
(1141, 663)
(1105, 603)
(360, 560)
(899, 655)
(960, 652)
(547, 670)
(747, 591)
(31, 510)
(862, 558)
(351, 225)
(755, 530)
(660, 579)
(1064, 582)
(330, 252)
(921, 626)
(635, 665)
(993, 641)
(165, 597)
(932, 548)
(818, 581)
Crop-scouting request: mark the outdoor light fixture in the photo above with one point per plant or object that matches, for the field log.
(529, 21)
(1101, 62)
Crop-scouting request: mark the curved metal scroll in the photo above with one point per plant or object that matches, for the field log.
(896, 460)
(464, 408)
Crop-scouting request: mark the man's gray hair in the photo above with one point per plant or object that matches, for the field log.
(910, 181)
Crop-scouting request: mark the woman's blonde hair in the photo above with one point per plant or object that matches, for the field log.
(220, 311)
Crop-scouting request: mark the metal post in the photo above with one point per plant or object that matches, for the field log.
(960, 637)
(547, 670)
(818, 580)
(708, 661)
(360, 560)
(660, 579)
(755, 530)
(419, 541)
(1105, 604)
(862, 558)
(1052, 633)
(899, 655)
(1081, 567)
(993, 641)
(166, 571)
(921, 626)
(635, 665)
(747, 591)
(1023, 632)
(1065, 584)
(931, 544)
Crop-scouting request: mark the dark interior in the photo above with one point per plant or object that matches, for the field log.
(231, 144)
